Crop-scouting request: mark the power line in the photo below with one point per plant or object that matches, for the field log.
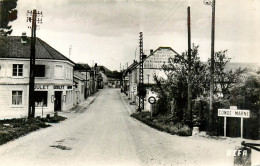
(170, 14)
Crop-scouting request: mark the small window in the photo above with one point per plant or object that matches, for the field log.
(39, 70)
(58, 72)
(17, 70)
(41, 98)
(17, 97)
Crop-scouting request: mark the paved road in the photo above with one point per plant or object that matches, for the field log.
(105, 134)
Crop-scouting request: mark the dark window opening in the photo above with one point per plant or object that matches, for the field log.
(41, 98)
(17, 70)
(39, 70)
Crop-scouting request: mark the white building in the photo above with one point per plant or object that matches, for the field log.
(154, 62)
(152, 66)
(79, 87)
(53, 79)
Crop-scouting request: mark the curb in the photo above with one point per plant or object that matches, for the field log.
(83, 105)
(126, 105)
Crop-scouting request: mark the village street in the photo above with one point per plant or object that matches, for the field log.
(105, 134)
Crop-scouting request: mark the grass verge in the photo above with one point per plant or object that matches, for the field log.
(11, 129)
(162, 124)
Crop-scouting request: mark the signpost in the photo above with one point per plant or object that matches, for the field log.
(135, 89)
(233, 112)
(152, 101)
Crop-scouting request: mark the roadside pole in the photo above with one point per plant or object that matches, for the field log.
(152, 101)
(189, 113)
(32, 17)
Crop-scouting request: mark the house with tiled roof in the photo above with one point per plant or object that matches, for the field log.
(152, 65)
(53, 78)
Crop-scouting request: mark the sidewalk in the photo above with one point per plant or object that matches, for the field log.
(82, 106)
(131, 108)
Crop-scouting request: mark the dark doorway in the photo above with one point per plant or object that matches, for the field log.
(57, 101)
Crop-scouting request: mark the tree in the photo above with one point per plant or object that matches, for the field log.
(247, 96)
(8, 13)
(176, 85)
(226, 79)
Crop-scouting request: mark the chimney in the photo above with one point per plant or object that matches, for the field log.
(24, 38)
(151, 51)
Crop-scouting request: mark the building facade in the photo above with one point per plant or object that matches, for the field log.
(152, 66)
(154, 62)
(53, 79)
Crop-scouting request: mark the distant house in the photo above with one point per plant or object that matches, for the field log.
(152, 66)
(85, 70)
(53, 78)
(110, 78)
(79, 81)
(154, 62)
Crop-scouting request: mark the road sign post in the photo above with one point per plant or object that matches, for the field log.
(152, 101)
(233, 112)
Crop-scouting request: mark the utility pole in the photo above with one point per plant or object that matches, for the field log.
(189, 113)
(141, 75)
(70, 50)
(212, 63)
(148, 78)
(86, 87)
(32, 17)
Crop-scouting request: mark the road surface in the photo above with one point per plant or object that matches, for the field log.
(105, 134)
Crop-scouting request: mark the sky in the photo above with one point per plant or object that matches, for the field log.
(106, 32)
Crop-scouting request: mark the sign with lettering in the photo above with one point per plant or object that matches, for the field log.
(58, 87)
(242, 156)
(40, 86)
(234, 113)
(135, 89)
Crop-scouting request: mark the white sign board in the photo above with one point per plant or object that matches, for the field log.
(135, 89)
(234, 113)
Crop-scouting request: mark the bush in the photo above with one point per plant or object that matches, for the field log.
(162, 124)
(23, 126)
(184, 131)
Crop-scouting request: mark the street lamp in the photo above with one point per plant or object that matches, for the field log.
(211, 122)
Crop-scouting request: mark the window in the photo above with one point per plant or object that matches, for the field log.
(17, 70)
(39, 70)
(41, 98)
(17, 97)
(58, 72)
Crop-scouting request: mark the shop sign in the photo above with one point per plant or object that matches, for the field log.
(40, 86)
(58, 87)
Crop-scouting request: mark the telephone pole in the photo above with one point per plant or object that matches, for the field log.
(32, 17)
(148, 75)
(212, 63)
(141, 75)
(189, 113)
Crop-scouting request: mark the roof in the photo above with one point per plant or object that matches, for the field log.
(113, 74)
(135, 64)
(16, 49)
(103, 68)
(81, 67)
(160, 48)
(78, 75)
